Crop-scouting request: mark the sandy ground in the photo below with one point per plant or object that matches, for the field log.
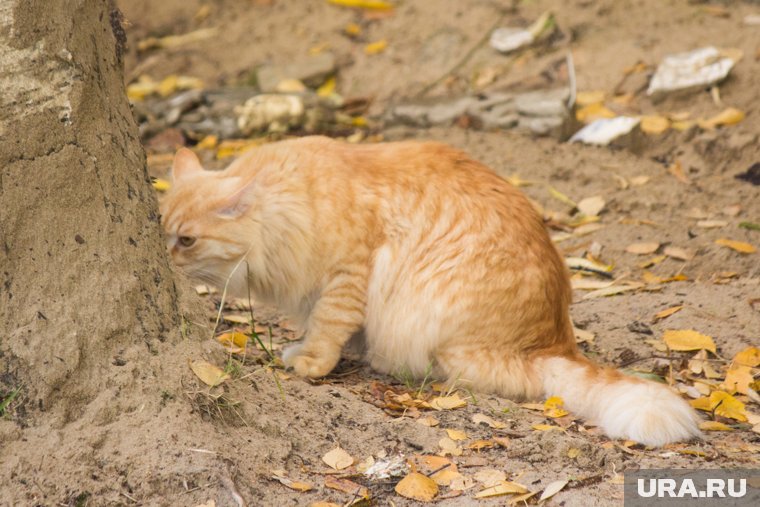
(269, 420)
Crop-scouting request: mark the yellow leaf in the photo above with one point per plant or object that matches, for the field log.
(552, 489)
(447, 402)
(456, 434)
(208, 373)
(325, 504)
(561, 197)
(714, 426)
(346, 486)
(654, 124)
(503, 488)
(553, 407)
(739, 246)
(376, 47)
(208, 143)
(738, 379)
(352, 30)
(429, 421)
(235, 338)
(688, 339)
(723, 404)
(748, 357)
(338, 459)
(417, 487)
(667, 312)
(592, 112)
(588, 98)
(729, 116)
(546, 427)
(445, 476)
(328, 88)
(448, 446)
(296, 485)
(493, 423)
(364, 4)
(161, 185)
(642, 248)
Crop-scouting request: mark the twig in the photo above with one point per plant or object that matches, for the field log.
(127, 496)
(462, 61)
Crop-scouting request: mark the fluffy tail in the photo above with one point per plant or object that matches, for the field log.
(623, 406)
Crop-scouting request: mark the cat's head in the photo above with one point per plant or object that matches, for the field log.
(208, 221)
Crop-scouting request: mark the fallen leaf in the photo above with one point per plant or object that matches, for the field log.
(417, 487)
(729, 116)
(490, 477)
(447, 402)
(642, 248)
(738, 379)
(591, 206)
(676, 169)
(712, 224)
(161, 185)
(739, 246)
(748, 357)
(456, 435)
(338, 459)
(327, 88)
(581, 335)
(462, 483)
(503, 488)
(678, 253)
(235, 338)
(346, 486)
(667, 313)
(613, 290)
(209, 374)
(484, 419)
(552, 489)
(479, 445)
(593, 112)
(171, 41)
(688, 339)
(714, 426)
(722, 404)
(445, 476)
(546, 427)
(325, 504)
(562, 197)
(429, 421)
(448, 446)
(236, 319)
(638, 181)
(296, 485)
(376, 47)
(553, 407)
(652, 262)
(654, 124)
(588, 98)
(363, 4)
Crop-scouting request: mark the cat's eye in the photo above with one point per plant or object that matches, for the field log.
(186, 241)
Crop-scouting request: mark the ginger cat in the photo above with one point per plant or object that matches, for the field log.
(428, 253)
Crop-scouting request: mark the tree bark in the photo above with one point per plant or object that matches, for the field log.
(88, 303)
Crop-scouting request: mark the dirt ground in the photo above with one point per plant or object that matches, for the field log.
(264, 422)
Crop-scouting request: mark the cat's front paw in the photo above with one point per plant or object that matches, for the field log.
(307, 364)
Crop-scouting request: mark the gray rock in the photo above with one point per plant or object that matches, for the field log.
(312, 71)
(411, 114)
(542, 126)
(446, 112)
(543, 103)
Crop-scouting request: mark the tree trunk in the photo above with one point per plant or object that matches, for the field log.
(89, 322)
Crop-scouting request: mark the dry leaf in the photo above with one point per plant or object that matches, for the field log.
(552, 489)
(593, 112)
(447, 402)
(667, 313)
(208, 373)
(561, 197)
(739, 246)
(325, 504)
(448, 446)
(591, 206)
(236, 319)
(234, 338)
(503, 488)
(652, 262)
(714, 426)
(654, 124)
(738, 379)
(642, 248)
(722, 404)
(482, 418)
(161, 185)
(588, 98)
(429, 421)
(346, 486)
(546, 427)
(712, 224)
(612, 290)
(748, 357)
(688, 339)
(581, 335)
(462, 483)
(296, 485)
(456, 435)
(417, 487)
(553, 407)
(676, 169)
(638, 181)
(445, 476)
(729, 116)
(171, 41)
(678, 253)
(490, 477)
(376, 47)
(364, 4)
(338, 459)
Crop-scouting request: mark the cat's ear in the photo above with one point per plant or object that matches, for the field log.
(185, 164)
(238, 197)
